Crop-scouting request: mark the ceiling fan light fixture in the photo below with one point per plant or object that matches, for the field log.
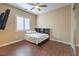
(36, 6)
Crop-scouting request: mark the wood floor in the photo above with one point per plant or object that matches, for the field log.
(24, 48)
(77, 51)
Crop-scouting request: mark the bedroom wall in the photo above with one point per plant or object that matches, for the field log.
(59, 21)
(9, 34)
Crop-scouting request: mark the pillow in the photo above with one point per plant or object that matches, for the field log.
(30, 32)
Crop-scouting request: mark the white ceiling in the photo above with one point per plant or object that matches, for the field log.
(27, 7)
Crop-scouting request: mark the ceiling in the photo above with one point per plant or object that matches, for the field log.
(27, 7)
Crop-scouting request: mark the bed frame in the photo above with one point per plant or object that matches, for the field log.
(43, 30)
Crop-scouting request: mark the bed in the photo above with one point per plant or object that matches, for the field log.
(39, 36)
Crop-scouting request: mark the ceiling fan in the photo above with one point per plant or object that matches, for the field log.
(37, 6)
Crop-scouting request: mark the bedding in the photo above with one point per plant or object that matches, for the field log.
(36, 37)
(30, 32)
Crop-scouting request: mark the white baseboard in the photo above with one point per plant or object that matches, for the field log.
(77, 45)
(2, 45)
(62, 41)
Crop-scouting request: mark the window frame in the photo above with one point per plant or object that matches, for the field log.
(23, 23)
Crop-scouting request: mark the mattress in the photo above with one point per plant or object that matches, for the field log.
(36, 37)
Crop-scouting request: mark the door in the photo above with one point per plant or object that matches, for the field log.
(73, 28)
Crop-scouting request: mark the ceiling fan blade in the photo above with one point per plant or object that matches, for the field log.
(30, 3)
(39, 9)
(32, 8)
(42, 5)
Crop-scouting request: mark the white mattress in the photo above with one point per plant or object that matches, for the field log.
(36, 37)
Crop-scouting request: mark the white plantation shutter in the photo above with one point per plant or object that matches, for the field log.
(27, 23)
(22, 23)
(19, 23)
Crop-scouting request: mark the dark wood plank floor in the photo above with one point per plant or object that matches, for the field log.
(24, 48)
(77, 51)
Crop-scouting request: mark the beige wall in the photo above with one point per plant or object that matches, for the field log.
(9, 34)
(77, 32)
(59, 21)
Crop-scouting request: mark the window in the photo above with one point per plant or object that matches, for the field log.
(22, 23)
(19, 23)
(27, 24)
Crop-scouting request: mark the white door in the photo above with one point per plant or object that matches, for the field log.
(73, 27)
